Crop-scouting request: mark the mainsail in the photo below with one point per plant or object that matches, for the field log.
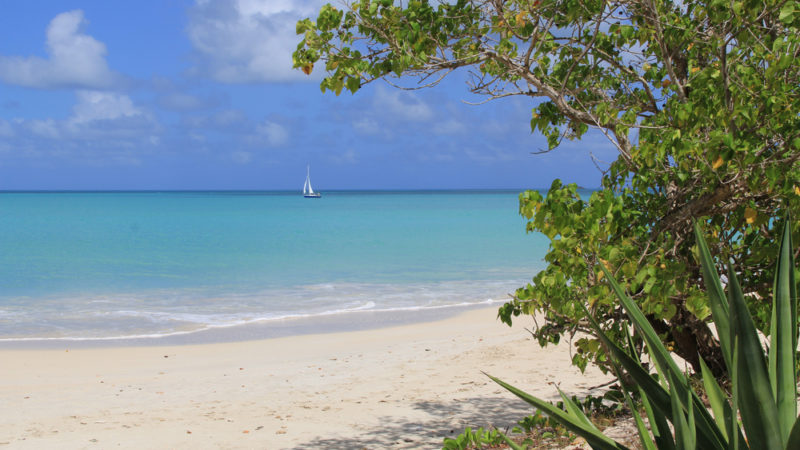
(308, 191)
(307, 186)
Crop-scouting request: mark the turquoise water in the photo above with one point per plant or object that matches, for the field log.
(113, 265)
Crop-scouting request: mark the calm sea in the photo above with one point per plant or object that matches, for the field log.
(136, 264)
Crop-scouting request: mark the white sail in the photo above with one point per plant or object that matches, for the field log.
(308, 191)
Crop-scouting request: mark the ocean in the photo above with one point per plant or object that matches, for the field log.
(105, 266)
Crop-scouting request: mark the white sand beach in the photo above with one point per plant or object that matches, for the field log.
(406, 386)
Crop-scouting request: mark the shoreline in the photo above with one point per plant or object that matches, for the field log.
(356, 320)
(402, 386)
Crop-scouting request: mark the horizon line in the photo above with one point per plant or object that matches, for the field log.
(279, 190)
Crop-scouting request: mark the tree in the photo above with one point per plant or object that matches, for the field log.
(701, 100)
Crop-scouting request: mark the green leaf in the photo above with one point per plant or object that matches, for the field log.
(794, 436)
(710, 436)
(716, 398)
(575, 411)
(658, 425)
(592, 436)
(716, 295)
(783, 336)
(757, 406)
(787, 13)
(683, 435)
(513, 445)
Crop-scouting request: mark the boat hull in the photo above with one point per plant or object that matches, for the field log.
(314, 195)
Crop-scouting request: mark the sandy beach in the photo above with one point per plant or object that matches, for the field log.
(406, 386)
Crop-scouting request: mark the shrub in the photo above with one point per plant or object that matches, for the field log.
(761, 411)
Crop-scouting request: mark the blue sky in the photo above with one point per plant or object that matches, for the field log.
(178, 94)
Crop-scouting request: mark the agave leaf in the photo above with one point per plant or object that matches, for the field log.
(757, 406)
(783, 336)
(691, 437)
(682, 431)
(595, 438)
(794, 436)
(644, 434)
(658, 425)
(661, 435)
(734, 422)
(650, 387)
(717, 399)
(716, 295)
(710, 435)
(575, 410)
(660, 354)
(719, 404)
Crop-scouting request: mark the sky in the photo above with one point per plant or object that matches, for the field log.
(180, 94)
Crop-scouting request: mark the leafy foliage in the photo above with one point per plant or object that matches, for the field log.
(474, 439)
(764, 390)
(701, 100)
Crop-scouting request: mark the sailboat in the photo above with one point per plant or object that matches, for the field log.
(308, 192)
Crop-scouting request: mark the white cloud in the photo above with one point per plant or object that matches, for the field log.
(248, 41)
(274, 133)
(95, 105)
(104, 128)
(402, 105)
(74, 59)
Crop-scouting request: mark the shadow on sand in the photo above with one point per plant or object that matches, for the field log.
(447, 419)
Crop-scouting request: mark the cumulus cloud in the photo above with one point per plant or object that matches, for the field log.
(75, 59)
(95, 105)
(248, 41)
(402, 105)
(103, 128)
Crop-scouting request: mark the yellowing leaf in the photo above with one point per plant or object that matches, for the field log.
(308, 68)
(717, 163)
(689, 47)
(521, 18)
(600, 275)
(695, 69)
(750, 215)
(578, 250)
(797, 190)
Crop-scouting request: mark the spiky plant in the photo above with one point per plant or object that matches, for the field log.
(761, 412)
